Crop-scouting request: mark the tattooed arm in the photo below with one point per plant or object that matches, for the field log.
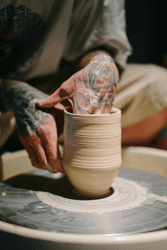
(37, 128)
(92, 89)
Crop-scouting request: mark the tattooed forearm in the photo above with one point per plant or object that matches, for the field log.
(14, 92)
(21, 99)
(37, 127)
(96, 84)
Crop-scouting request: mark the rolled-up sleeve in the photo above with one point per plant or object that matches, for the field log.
(98, 24)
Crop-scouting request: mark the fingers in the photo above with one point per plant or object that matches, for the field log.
(64, 92)
(49, 141)
(54, 159)
(35, 151)
(43, 151)
(51, 101)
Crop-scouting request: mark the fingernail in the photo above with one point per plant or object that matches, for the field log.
(50, 168)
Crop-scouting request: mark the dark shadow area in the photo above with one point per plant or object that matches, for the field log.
(146, 26)
(40, 183)
(12, 144)
(60, 186)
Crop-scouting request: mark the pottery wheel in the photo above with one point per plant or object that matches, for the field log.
(41, 200)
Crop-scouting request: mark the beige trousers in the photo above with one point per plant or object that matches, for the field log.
(141, 92)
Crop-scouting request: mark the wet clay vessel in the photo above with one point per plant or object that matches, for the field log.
(92, 152)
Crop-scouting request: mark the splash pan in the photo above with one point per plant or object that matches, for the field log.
(41, 206)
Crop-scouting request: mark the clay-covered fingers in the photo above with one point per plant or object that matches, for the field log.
(65, 91)
(49, 141)
(35, 150)
(43, 150)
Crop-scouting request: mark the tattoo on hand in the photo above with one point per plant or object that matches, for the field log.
(96, 85)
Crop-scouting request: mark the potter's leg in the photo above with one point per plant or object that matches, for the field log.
(161, 139)
(145, 131)
(142, 97)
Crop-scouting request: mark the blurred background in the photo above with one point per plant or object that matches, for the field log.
(146, 30)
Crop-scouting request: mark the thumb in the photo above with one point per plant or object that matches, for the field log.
(62, 93)
(45, 103)
(50, 101)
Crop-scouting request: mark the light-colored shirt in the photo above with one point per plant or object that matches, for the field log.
(48, 31)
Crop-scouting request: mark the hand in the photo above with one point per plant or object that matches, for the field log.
(37, 127)
(91, 90)
(38, 134)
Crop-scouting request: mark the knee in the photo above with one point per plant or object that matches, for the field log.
(156, 73)
(158, 84)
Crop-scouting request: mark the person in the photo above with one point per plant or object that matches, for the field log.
(36, 39)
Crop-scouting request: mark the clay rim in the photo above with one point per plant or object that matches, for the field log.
(113, 111)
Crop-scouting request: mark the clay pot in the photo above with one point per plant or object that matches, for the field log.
(92, 152)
